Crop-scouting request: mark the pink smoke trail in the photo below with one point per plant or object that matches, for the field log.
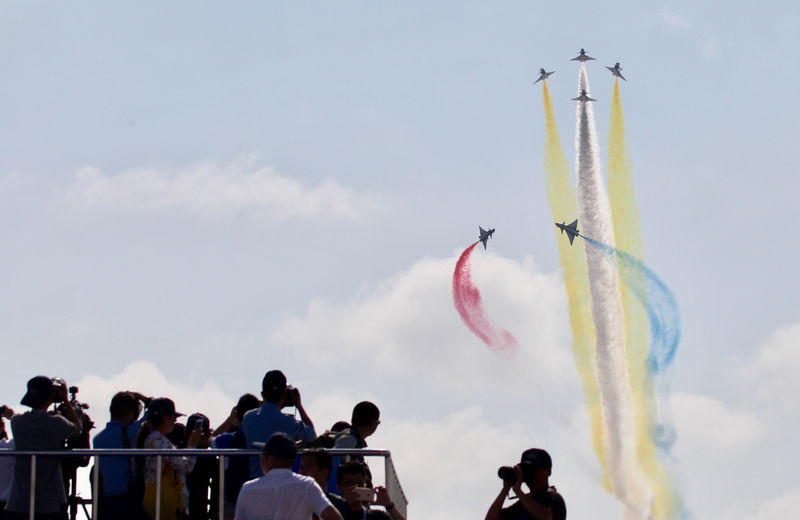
(467, 299)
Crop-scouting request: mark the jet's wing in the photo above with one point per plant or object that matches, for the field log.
(573, 226)
(621, 76)
(571, 238)
(538, 80)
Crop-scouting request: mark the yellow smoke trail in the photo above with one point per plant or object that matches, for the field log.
(564, 206)
(628, 237)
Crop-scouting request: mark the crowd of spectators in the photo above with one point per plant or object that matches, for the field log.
(277, 484)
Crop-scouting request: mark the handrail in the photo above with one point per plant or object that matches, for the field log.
(389, 472)
(189, 452)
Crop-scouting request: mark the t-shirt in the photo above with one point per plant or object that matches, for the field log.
(259, 425)
(38, 430)
(549, 498)
(280, 495)
(116, 471)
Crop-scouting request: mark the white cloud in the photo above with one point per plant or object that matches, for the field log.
(408, 324)
(147, 378)
(784, 506)
(673, 20)
(773, 376)
(209, 188)
(448, 466)
(733, 430)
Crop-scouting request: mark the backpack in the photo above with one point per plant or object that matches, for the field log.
(326, 440)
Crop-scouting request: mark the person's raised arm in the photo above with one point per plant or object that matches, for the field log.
(536, 510)
(383, 499)
(227, 425)
(495, 509)
(303, 415)
(69, 412)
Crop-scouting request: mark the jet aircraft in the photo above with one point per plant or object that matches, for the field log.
(583, 98)
(616, 71)
(485, 235)
(582, 57)
(570, 229)
(543, 75)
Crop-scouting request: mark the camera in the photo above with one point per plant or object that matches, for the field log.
(507, 473)
(292, 395)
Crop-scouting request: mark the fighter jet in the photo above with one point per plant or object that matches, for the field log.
(583, 98)
(543, 75)
(616, 71)
(570, 229)
(485, 235)
(582, 57)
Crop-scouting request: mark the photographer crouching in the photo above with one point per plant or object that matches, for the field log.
(39, 430)
(541, 503)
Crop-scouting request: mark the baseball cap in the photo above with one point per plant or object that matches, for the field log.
(40, 389)
(280, 446)
(163, 406)
(274, 381)
(537, 458)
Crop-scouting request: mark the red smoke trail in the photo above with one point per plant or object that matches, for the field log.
(467, 299)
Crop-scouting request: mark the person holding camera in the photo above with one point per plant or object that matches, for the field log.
(261, 423)
(39, 430)
(542, 502)
(281, 494)
(121, 489)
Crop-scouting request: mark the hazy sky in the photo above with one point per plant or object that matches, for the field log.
(194, 194)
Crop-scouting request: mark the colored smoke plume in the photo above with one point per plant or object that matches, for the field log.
(639, 313)
(467, 299)
(561, 196)
(627, 479)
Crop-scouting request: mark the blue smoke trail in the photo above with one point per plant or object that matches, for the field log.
(662, 309)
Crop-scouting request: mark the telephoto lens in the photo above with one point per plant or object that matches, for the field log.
(507, 473)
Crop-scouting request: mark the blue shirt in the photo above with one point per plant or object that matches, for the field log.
(261, 423)
(116, 471)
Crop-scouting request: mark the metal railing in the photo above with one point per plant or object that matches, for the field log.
(392, 483)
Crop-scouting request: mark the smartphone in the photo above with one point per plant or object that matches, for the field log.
(364, 494)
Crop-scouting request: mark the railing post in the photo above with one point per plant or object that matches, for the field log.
(221, 488)
(95, 486)
(32, 500)
(158, 487)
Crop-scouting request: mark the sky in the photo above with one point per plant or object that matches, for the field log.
(193, 194)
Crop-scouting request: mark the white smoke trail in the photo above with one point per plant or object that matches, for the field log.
(627, 481)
